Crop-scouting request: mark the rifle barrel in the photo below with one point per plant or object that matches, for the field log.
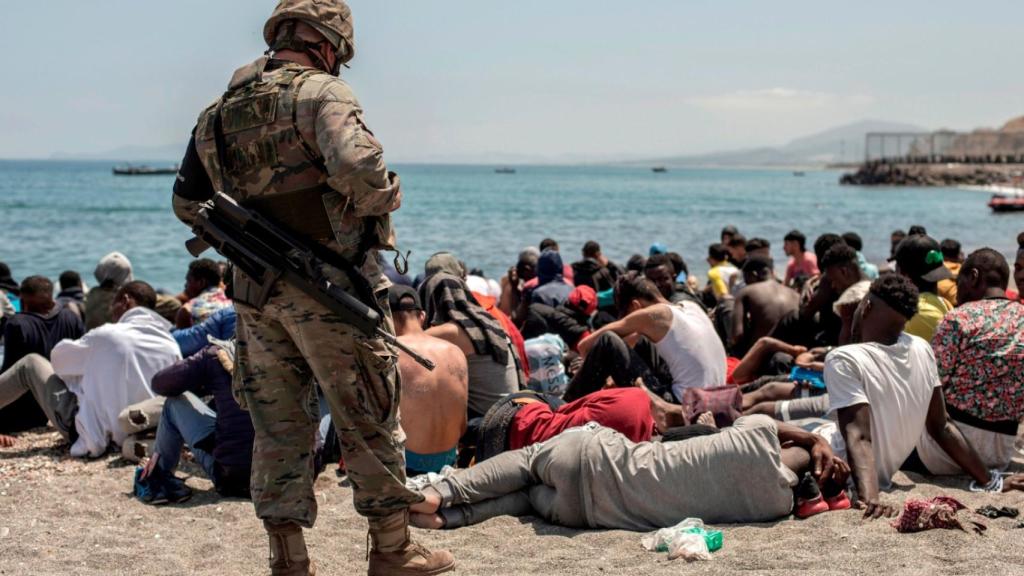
(390, 339)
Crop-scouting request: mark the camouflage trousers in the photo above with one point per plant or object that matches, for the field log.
(281, 349)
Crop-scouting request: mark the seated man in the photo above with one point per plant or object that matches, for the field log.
(433, 403)
(660, 270)
(682, 334)
(819, 325)
(552, 288)
(722, 272)
(570, 320)
(761, 306)
(869, 270)
(802, 265)
(594, 477)
(979, 348)
(919, 259)
(93, 378)
(220, 325)
(886, 395)
(840, 269)
(453, 315)
(36, 330)
(112, 272)
(595, 270)
(72, 293)
(204, 292)
(220, 437)
(952, 258)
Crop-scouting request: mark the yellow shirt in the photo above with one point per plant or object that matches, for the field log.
(947, 288)
(931, 309)
(719, 277)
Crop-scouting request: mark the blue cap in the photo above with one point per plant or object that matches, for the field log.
(658, 248)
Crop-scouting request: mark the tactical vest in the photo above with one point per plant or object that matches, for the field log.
(264, 162)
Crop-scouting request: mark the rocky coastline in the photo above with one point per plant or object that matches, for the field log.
(895, 174)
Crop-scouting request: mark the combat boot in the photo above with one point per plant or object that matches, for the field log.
(395, 554)
(288, 555)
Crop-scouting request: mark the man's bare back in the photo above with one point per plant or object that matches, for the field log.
(760, 307)
(433, 404)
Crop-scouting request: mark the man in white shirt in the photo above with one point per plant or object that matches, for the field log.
(682, 333)
(88, 381)
(886, 394)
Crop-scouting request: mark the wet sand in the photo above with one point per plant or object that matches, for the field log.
(60, 516)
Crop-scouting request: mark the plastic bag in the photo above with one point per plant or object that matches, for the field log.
(660, 540)
(689, 546)
(689, 540)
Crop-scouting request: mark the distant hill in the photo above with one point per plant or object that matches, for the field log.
(840, 144)
(166, 154)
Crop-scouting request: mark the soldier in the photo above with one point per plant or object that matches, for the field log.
(288, 139)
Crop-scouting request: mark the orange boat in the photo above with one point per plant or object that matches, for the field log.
(1002, 203)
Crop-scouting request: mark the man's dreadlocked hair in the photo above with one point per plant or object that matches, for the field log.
(898, 292)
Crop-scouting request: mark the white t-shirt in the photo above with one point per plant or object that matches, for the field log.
(897, 382)
(692, 350)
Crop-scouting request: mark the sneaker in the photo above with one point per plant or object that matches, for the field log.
(159, 489)
(808, 498)
(835, 496)
(142, 489)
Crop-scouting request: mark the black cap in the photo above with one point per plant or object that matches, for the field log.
(921, 258)
(403, 298)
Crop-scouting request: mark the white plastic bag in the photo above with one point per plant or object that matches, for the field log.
(661, 540)
(690, 547)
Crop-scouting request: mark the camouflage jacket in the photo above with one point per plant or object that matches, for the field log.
(296, 147)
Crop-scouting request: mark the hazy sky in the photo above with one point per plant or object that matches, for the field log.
(451, 79)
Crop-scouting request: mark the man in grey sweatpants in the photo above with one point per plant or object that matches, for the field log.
(594, 477)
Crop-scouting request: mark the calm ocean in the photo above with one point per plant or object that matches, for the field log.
(66, 215)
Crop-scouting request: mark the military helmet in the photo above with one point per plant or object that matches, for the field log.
(332, 18)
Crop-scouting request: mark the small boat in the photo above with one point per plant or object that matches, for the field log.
(504, 170)
(659, 169)
(1003, 203)
(799, 173)
(130, 170)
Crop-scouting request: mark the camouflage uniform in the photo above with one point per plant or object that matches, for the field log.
(298, 150)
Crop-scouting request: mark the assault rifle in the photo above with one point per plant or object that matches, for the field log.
(267, 253)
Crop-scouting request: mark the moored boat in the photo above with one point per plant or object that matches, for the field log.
(143, 171)
(1003, 203)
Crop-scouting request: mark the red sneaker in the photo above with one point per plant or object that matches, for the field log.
(835, 497)
(808, 498)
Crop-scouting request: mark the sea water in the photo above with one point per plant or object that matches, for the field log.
(56, 216)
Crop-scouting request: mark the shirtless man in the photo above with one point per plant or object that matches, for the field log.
(433, 403)
(761, 306)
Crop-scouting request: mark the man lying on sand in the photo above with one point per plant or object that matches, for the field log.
(594, 477)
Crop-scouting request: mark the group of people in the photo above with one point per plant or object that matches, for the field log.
(590, 394)
(614, 379)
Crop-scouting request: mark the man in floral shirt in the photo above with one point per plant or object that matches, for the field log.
(979, 348)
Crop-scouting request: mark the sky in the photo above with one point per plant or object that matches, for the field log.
(458, 80)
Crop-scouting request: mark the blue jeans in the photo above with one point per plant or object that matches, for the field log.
(185, 421)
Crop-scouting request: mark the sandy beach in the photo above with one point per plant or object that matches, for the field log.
(61, 516)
